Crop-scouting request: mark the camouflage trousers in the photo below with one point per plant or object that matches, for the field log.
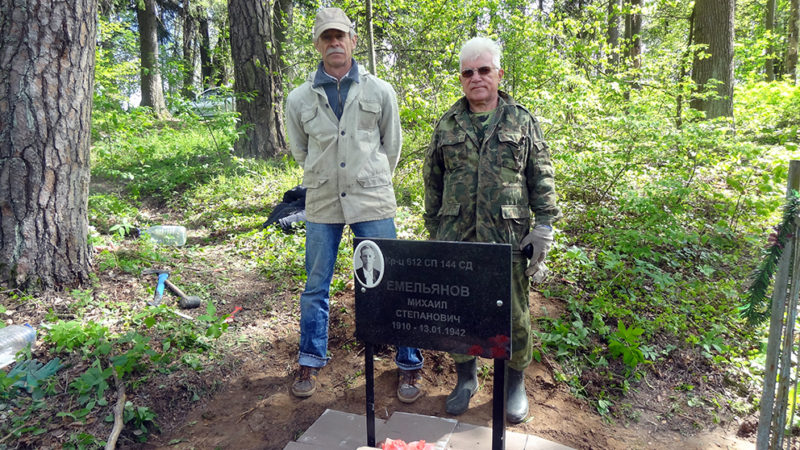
(521, 336)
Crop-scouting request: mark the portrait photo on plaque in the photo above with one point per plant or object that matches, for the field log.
(368, 264)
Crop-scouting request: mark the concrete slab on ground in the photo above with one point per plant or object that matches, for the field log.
(340, 430)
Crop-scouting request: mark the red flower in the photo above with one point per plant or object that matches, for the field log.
(500, 340)
(397, 444)
(475, 350)
(500, 347)
(499, 353)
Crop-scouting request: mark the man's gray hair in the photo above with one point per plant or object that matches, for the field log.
(475, 47)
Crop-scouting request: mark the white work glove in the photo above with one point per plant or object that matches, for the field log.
(538, 272)
(540, 238)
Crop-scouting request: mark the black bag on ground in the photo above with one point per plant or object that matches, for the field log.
(291, 212)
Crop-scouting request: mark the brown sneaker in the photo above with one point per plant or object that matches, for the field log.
(408, 385)
(305, 382)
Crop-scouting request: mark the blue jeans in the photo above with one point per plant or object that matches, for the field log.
(322, 247)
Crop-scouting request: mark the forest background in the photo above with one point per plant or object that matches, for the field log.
(671, 124)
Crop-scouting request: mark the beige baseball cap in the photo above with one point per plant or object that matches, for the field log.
(331, 18)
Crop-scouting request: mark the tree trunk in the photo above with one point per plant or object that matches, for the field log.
(219, 57)
(282, 14)
(769, 27)
(152, 90)
(47, 55)
(256, 68)
(206, 64)
(370, 39)
(633, 31)
(612, 36)
(791, 41)
(189, 48)
(713, 26)
(683, 72)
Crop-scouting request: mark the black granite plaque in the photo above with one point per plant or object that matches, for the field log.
(450, 296)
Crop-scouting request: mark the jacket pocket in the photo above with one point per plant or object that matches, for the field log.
(512, 149)
(450, 227)
(454, 149)
(306, 117)
(368, 115)
(449, 209)
(515, 212)
(312, 182)
(377, 180)
(517, 219)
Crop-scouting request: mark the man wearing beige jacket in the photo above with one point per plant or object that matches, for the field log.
(344, 130)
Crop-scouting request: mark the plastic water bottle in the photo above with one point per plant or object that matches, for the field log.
(14, 338)
(167, 234)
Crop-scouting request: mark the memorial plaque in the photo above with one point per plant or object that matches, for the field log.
(450, 296)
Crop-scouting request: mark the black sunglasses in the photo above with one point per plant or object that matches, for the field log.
(482, 71)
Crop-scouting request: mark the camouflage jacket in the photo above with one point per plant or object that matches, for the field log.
(485, 193)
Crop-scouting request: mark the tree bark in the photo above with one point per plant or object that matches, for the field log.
(46, 84)
(206, 65)
(189, 47)
(633, 31)
(612, 35)
(370, 39)
(769, 27)
(713, 26)
(283, 11)
(792, 38)
(152, 90)
(220, 54)
(683, 72)
(256, 69)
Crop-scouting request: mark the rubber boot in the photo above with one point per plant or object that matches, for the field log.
(466, 386)
(517, 398)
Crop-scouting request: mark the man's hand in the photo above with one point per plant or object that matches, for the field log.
(540, 239)
(537, 272)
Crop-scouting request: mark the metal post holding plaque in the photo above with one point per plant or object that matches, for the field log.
(437, 295)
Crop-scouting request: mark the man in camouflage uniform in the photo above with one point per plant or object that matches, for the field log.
(486, 169)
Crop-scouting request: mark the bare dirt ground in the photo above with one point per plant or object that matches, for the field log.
(241, 399)
(252, 407)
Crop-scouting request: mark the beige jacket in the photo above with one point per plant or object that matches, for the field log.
(348, 163)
